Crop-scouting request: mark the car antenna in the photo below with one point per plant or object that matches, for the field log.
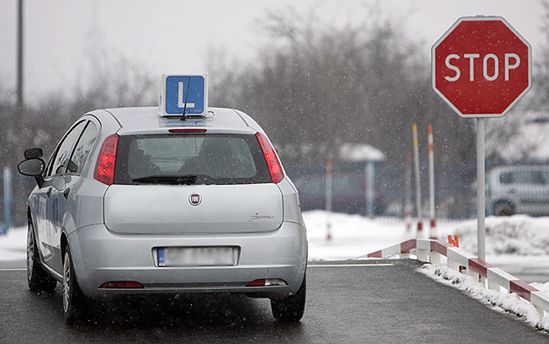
(184, 117)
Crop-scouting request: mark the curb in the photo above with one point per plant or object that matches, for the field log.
(432, 251)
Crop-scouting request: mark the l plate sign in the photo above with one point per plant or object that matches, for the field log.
(184, 95)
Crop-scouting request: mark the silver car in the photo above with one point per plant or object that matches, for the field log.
(131, 202)
(518, 189)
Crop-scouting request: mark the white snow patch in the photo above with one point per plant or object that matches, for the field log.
(360, 152)
(13, 245)
(510, 303)
(352, 236)
(515, 235)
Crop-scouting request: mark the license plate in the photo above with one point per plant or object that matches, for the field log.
(197, 256)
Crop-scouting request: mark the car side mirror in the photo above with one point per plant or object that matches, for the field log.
(33, 153)
(33, 167)
(72, 167)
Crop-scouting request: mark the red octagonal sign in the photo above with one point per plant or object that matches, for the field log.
(481, 66)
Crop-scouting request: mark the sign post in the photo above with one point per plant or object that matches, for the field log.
(481, 192)
(481, 67)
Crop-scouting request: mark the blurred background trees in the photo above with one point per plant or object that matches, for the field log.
(313, 86)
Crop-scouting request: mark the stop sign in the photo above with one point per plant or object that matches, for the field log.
(481, 66)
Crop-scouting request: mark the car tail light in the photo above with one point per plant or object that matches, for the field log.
(269, 282)
(256, 283)
(187, 130)
(275, 168)
(121, 285)
(104, 168)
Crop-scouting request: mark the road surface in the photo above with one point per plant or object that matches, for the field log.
(347, 302)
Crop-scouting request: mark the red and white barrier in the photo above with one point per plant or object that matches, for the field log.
(432, 251)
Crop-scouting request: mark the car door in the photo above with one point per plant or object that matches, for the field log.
(544, 192)
(54, 186)
(526, 186)
(41, 208)
(64, 196)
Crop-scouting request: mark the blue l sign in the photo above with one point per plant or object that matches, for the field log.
(184, 94)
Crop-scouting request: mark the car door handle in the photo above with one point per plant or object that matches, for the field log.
(48, 193)
(66, 192)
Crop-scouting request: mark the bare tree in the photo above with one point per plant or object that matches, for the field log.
(316, 85)
(111, 83)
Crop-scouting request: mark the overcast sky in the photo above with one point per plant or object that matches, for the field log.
(173, 35)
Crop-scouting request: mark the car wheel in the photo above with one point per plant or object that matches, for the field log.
(73, 299)
(504, 209)
(290, 309)
(38, 279)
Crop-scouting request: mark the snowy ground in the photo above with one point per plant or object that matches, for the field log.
(353, 236)
(12, 245)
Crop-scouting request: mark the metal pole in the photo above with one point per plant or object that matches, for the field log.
(7, 199)
(16, 125)
(481, 231)
(19, 91)
(433, 224)
(329, 175)
(418, 182)
(370, 192)
(408, 208)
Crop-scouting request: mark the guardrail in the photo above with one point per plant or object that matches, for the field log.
(432, 251)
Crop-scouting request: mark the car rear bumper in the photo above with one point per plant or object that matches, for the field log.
(101, 256)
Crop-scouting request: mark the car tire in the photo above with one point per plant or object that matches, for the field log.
(74, 301)
(38, 279)
(290, 309)
(504, 209)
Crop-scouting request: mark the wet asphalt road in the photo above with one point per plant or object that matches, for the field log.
(345, 304)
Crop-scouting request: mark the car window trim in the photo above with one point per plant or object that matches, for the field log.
(76, 145)
(61, 142)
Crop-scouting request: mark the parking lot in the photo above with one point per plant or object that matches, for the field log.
(347, 302)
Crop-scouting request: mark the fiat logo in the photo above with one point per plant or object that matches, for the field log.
(195, 199)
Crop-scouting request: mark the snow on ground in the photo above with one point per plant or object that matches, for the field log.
(354, 236)
(511, 303)
(515, 235)
(13, 245)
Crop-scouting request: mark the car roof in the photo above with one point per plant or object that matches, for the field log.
(149, 119)
(518, 168)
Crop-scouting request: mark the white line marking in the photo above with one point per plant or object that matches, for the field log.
(14, 269)
(347, 265)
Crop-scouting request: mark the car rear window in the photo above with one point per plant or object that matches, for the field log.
(190, 159)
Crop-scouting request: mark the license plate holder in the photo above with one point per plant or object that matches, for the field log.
(197, 256)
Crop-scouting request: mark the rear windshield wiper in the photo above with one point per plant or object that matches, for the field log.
(174, 180)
